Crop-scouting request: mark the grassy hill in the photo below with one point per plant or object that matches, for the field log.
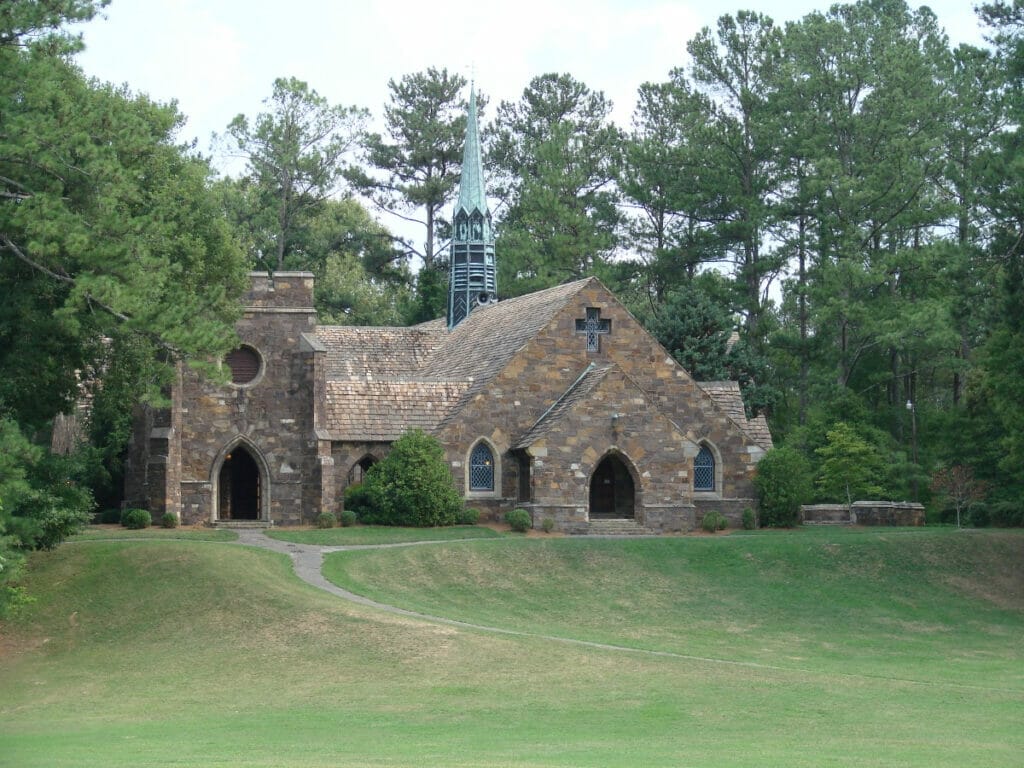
(795, 649)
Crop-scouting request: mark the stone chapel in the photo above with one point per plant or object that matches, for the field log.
(558, 402)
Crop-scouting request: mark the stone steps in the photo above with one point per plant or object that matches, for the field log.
(241, 525)
(616, 527)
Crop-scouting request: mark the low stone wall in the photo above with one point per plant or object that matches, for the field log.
(886, 513)
(902, 513)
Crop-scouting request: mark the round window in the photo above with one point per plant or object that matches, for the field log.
(244, 364)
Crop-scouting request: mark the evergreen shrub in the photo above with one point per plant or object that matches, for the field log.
(978, 515)
(360, 500)
(325, 520)
(169, 520)
(714, 521)
(412, 486)
(347, 518)
(136, 519)
(109, 517)
(547, 525)
(1007, 514)
(749, 519)
(468, 516)
(783, 483)
(519, 520)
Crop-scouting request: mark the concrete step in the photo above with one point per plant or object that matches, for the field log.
(237, 525)
(617, 527)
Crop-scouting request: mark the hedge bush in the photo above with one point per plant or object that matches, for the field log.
(714, 521)
(411, 486)
(749, 519)
(467, 516)
(169, 520)
(136, 519)
(109, 517)
(783, 483)
(325, 520)
(519, 520)
(347, 518)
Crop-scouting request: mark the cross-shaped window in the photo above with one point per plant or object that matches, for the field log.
(594, 327)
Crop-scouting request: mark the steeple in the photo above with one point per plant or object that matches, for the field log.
(472, 272)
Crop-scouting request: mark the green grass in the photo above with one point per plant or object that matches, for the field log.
(102, 533)
(381, 534)
(164, 653)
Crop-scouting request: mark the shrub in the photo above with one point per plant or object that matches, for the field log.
(169, 520)
(136, 519)
(325, 520)
(783, 483)
(714, 521)
(749, 519)
(977, 514)
(412, 485)
(519, 520)
(547, 525)
(467, 516)
(109, 517)
(347, 518)
(1006, 514)
(361, 501)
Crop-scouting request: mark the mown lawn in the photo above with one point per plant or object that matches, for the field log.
(188, 654)
(381, 534)
(106, 532)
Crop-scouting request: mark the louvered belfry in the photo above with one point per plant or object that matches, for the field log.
(473, 279)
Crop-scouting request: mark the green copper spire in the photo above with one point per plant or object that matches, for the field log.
(471, 188)
(473, 275)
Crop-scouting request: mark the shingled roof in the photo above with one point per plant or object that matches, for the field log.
(583, 386)
(384, 381)
(727, 396)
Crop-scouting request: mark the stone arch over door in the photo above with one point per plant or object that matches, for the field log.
(612, 490)
(359, 469)
(240, 479)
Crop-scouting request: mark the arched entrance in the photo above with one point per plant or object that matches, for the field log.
(358, 472)
(612, 492)
(240, 487)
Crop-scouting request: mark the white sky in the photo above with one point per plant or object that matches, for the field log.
(219, 58)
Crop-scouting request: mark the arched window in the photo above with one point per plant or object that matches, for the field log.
(704, 470)
(481, 468)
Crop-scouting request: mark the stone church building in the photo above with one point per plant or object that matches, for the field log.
(558, 402)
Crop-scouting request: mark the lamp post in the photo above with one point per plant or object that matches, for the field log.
(913, 441)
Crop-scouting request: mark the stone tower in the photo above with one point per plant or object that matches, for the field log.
(473, 278)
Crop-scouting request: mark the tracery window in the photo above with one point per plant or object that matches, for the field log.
(481, 468)
(704, 470)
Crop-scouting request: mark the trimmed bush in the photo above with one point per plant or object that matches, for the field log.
(783, 483)
(136, 519)
(169, 520)
(411, 486)
(347, 518)
(467, 516)
(325, 520)
(714, 521)
(749, 519)
(547, 525)
(109, 517)
(519, 520)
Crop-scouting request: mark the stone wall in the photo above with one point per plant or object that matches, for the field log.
(900, 513)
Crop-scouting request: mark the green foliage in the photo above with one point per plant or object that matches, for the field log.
(468, 516)
(714, 521)
(519, 520)
(110, 516)
(169, 520)
(136, 519)
(547, 525)
(1007, 514)
(783, 483)
(326, 520)
(851, 466)
(749, 519)
(362, 500)
(411, 486)
(347, 518)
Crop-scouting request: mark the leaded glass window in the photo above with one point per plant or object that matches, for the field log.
(593, 327)
(481, 468)
(704, 470)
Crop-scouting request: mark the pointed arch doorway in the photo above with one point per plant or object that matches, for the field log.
(239, 486)
(612, 491)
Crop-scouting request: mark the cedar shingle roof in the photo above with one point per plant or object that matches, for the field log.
(727, 396)
(384, 381)
(583, 386)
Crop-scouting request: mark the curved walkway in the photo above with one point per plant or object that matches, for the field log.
(307, 559)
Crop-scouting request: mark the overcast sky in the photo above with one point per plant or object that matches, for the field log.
(219, 58)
